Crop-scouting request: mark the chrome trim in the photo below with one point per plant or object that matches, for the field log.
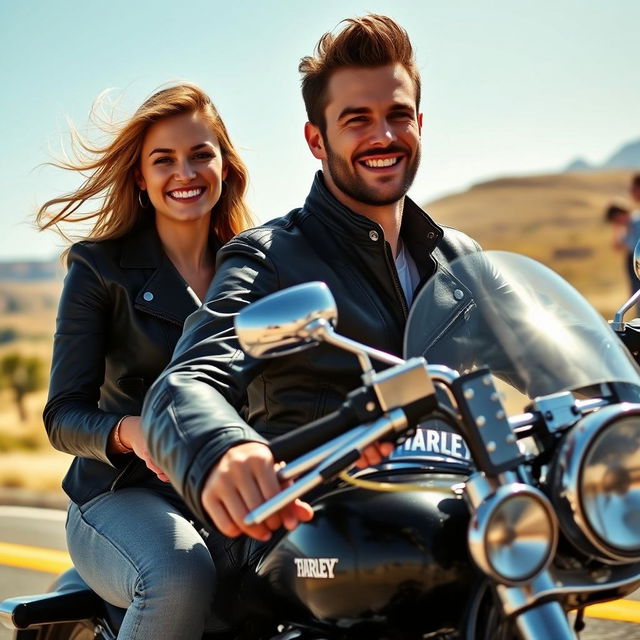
(558, 410)
(527, 531)
(617, 324)
(403, 384)
(547, 620)
(565, 485)
(440, 373)
(478, 488)
(569, 585)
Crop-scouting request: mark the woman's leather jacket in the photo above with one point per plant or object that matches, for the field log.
(120, 315)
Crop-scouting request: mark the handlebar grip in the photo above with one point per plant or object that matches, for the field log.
(293, 444)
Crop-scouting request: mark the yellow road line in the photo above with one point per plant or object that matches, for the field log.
(52, 561)
(623, 610)
(35, 558)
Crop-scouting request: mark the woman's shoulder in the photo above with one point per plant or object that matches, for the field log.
(95, 252)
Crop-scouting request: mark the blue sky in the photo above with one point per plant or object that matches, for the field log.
(510, 86)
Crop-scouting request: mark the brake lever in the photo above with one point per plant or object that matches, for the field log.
(342, 458)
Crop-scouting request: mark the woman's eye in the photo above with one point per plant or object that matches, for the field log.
(203, 155)
(162, 160)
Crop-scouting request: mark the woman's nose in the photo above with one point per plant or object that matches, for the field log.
(184, 171)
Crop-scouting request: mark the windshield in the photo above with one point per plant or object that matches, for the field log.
(516, 316)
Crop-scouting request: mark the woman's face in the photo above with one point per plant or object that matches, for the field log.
(181, 167)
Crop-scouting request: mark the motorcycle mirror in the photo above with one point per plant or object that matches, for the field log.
(278, 324)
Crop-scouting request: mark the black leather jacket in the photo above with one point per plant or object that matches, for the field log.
(121, 313)
(192, 413)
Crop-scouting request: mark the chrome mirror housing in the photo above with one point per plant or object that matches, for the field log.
(279, 323)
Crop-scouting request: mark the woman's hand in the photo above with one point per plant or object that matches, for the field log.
(131, 436)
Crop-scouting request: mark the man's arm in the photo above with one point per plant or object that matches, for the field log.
(217, 462)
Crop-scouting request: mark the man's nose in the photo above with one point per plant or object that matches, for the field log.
(382, 134)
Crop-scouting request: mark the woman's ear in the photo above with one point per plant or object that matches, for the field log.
(140, 181)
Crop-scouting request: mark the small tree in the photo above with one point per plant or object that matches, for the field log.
(22, 374)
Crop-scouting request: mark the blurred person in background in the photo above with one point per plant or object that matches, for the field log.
(626, 232)
(171, 190)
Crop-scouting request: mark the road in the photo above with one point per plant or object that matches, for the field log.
(24, 529)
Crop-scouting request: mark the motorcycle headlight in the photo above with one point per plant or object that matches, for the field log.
(513, 534)
(599, 483)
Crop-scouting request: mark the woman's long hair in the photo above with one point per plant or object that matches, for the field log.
(109, 172)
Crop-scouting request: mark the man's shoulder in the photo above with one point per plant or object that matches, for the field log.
(456, 243)
(284, 229)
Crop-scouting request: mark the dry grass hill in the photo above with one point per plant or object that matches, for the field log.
(556, 219)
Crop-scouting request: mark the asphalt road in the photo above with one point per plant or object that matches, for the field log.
(34, 528)
(44, 528)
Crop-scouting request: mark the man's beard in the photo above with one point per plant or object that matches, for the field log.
(351, 184)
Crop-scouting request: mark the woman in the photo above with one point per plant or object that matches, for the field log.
(171, 187)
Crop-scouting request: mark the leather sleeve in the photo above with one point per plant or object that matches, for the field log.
(190, 415)
(73, 421)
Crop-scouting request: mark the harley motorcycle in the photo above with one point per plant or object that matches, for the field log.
(486, 522)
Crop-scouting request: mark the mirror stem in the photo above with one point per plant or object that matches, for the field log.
(618, 324)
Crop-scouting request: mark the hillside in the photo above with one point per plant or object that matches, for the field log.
(557, 219)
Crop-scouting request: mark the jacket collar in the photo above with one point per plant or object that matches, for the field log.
(165, 293)
(419, 232)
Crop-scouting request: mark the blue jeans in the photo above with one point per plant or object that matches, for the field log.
(138, 552)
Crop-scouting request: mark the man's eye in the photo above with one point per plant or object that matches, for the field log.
(402, 115)
(357, 120)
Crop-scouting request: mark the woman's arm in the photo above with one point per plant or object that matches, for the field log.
(73, 421)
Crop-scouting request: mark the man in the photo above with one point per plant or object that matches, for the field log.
(358, 232)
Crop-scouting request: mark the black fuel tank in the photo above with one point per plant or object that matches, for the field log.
(398, 557)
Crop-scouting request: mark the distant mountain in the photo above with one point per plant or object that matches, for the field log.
(627, 157)
(31, 270)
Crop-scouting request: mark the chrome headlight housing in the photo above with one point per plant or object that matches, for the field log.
(596, 484)
(513, 533)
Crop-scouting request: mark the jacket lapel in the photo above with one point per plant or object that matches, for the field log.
(164, 294)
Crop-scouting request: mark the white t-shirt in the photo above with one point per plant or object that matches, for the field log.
(407, 272)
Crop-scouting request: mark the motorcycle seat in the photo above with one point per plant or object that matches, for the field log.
(58, 606)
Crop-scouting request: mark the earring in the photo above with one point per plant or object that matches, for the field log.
(142, 204)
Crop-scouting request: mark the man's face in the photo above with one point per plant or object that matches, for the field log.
(372, 138)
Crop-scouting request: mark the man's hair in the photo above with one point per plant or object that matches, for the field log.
(613, 211)
(635, 181)
(371, 41)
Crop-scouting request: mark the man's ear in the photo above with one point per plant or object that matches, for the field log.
(140, 181)
(420, 123)
(315, 141)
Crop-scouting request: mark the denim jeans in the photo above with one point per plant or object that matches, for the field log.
(138, 552)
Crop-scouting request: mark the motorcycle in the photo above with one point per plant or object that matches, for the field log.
(486, 521)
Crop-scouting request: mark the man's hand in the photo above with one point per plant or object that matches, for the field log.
(374, 454)
(244, 478)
